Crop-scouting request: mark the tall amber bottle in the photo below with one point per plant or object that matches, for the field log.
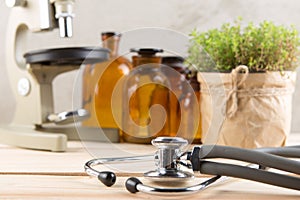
(99, 83)
(144, 89)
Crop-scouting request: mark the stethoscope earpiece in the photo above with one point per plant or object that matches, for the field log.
(132, 183)
(107, 178)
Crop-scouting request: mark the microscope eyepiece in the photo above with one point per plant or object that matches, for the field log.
(64, 14)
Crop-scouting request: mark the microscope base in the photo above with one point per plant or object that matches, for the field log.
(26, 137)
(51, 138)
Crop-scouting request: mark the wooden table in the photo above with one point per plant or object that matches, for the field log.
(29, 174)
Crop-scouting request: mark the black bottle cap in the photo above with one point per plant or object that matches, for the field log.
(146, 51)
(110, 34)
(171, 59)
(175, 62)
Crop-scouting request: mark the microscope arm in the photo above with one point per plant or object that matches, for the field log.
(34, 101)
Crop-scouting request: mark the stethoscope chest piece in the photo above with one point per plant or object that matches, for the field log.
(167, 158)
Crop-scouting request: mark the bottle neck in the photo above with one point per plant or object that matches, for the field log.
(111, 43)
(141, 60)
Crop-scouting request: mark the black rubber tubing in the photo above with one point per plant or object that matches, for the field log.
(287, 151)
(251, 156)
(248, 173)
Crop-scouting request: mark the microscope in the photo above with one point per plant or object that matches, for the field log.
(35, 125)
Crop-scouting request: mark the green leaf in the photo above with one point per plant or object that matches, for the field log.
(262, 47)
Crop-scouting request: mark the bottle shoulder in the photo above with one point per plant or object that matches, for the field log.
(122, 60)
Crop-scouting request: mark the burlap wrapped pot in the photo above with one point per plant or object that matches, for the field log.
(257, 107)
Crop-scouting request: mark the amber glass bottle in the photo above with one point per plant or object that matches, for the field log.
(144, 89)
(193, 128)
(176, 78)
(99, 82)
(183, 111)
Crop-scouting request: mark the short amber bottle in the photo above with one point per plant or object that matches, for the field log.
(144, 89)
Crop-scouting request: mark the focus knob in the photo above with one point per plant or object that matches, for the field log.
(15, 3)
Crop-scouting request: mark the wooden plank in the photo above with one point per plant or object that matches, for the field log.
(29, 174)
(16, 160)
(62, 187)
(71, 161)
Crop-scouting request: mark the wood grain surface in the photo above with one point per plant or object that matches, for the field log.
(29, 174)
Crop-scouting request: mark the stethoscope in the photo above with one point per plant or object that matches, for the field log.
(175, 165)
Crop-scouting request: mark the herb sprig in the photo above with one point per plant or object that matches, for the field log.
(266, 47)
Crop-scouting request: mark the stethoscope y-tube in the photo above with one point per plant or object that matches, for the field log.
(276, 158)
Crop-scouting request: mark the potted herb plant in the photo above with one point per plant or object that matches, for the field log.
(256, 68)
